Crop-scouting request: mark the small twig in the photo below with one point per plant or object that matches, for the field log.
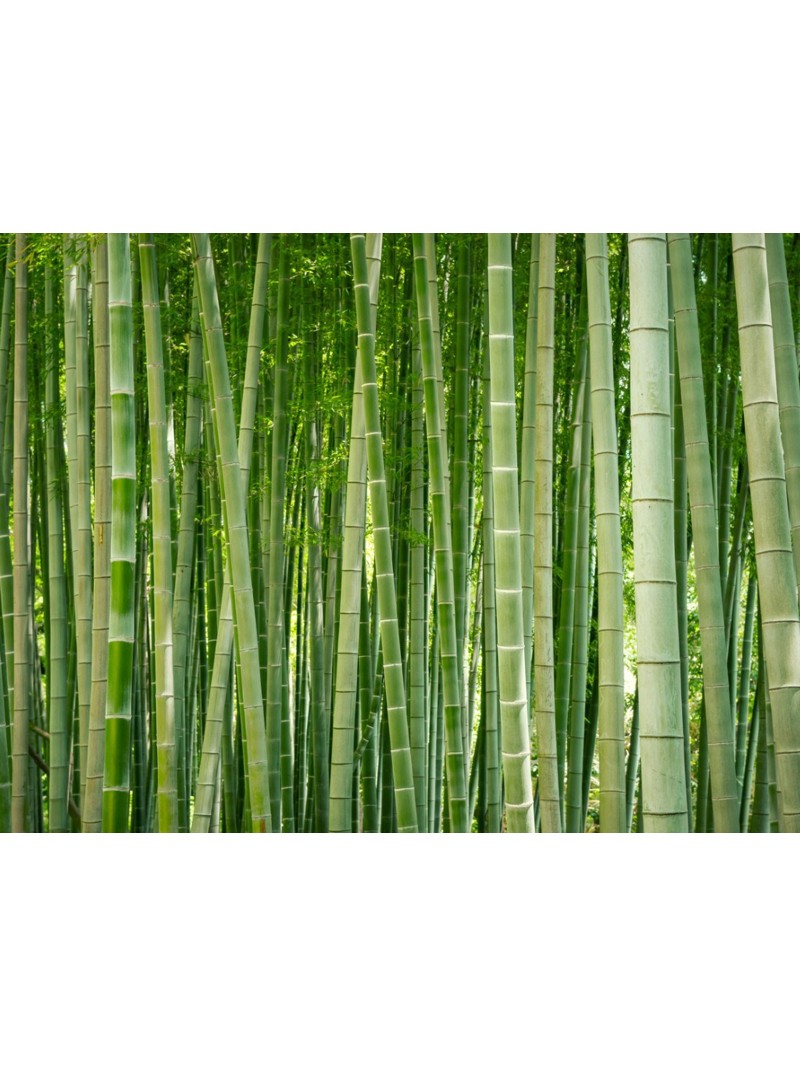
(75, 815)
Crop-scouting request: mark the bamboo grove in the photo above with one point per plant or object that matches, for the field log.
(399, 533)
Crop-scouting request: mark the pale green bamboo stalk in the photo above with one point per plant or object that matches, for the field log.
(452, 679)
(610, 611)
(543, 653)
(162, 541)
(580, 629)
(92, 810)
(58, 787)
(235, 527)
(461, 475)
(402, 769)
(682, 547)
(319, 733)
(516, 745)
(777, 578)
(528, 462)
(20, 799)
(121, 622)
(787, 381)
(661, 729)
(494, 810)
(706, 542)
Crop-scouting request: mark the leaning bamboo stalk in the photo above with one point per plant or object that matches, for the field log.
(452, 680)
(724, 789)
(402, 770)
(352, 619)
(236, 535)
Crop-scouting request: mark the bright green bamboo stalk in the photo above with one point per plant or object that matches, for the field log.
(706, 543)
(162, 541)
(417, 674)
(82, 535)
(350, 620)
(544, 666)
(20, 799)
(92, 811)
(182, 605)
(235, 528)
(508, 587)
(116, 784)
(276, 635)
(610, 657)
(402, 769)
(661, 730)
(351, 615)
(452, 680)
(777, 578)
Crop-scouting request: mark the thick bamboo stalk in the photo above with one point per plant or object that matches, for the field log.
(658, 660)
(777, 578)
(121, 627)
(513, 688)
